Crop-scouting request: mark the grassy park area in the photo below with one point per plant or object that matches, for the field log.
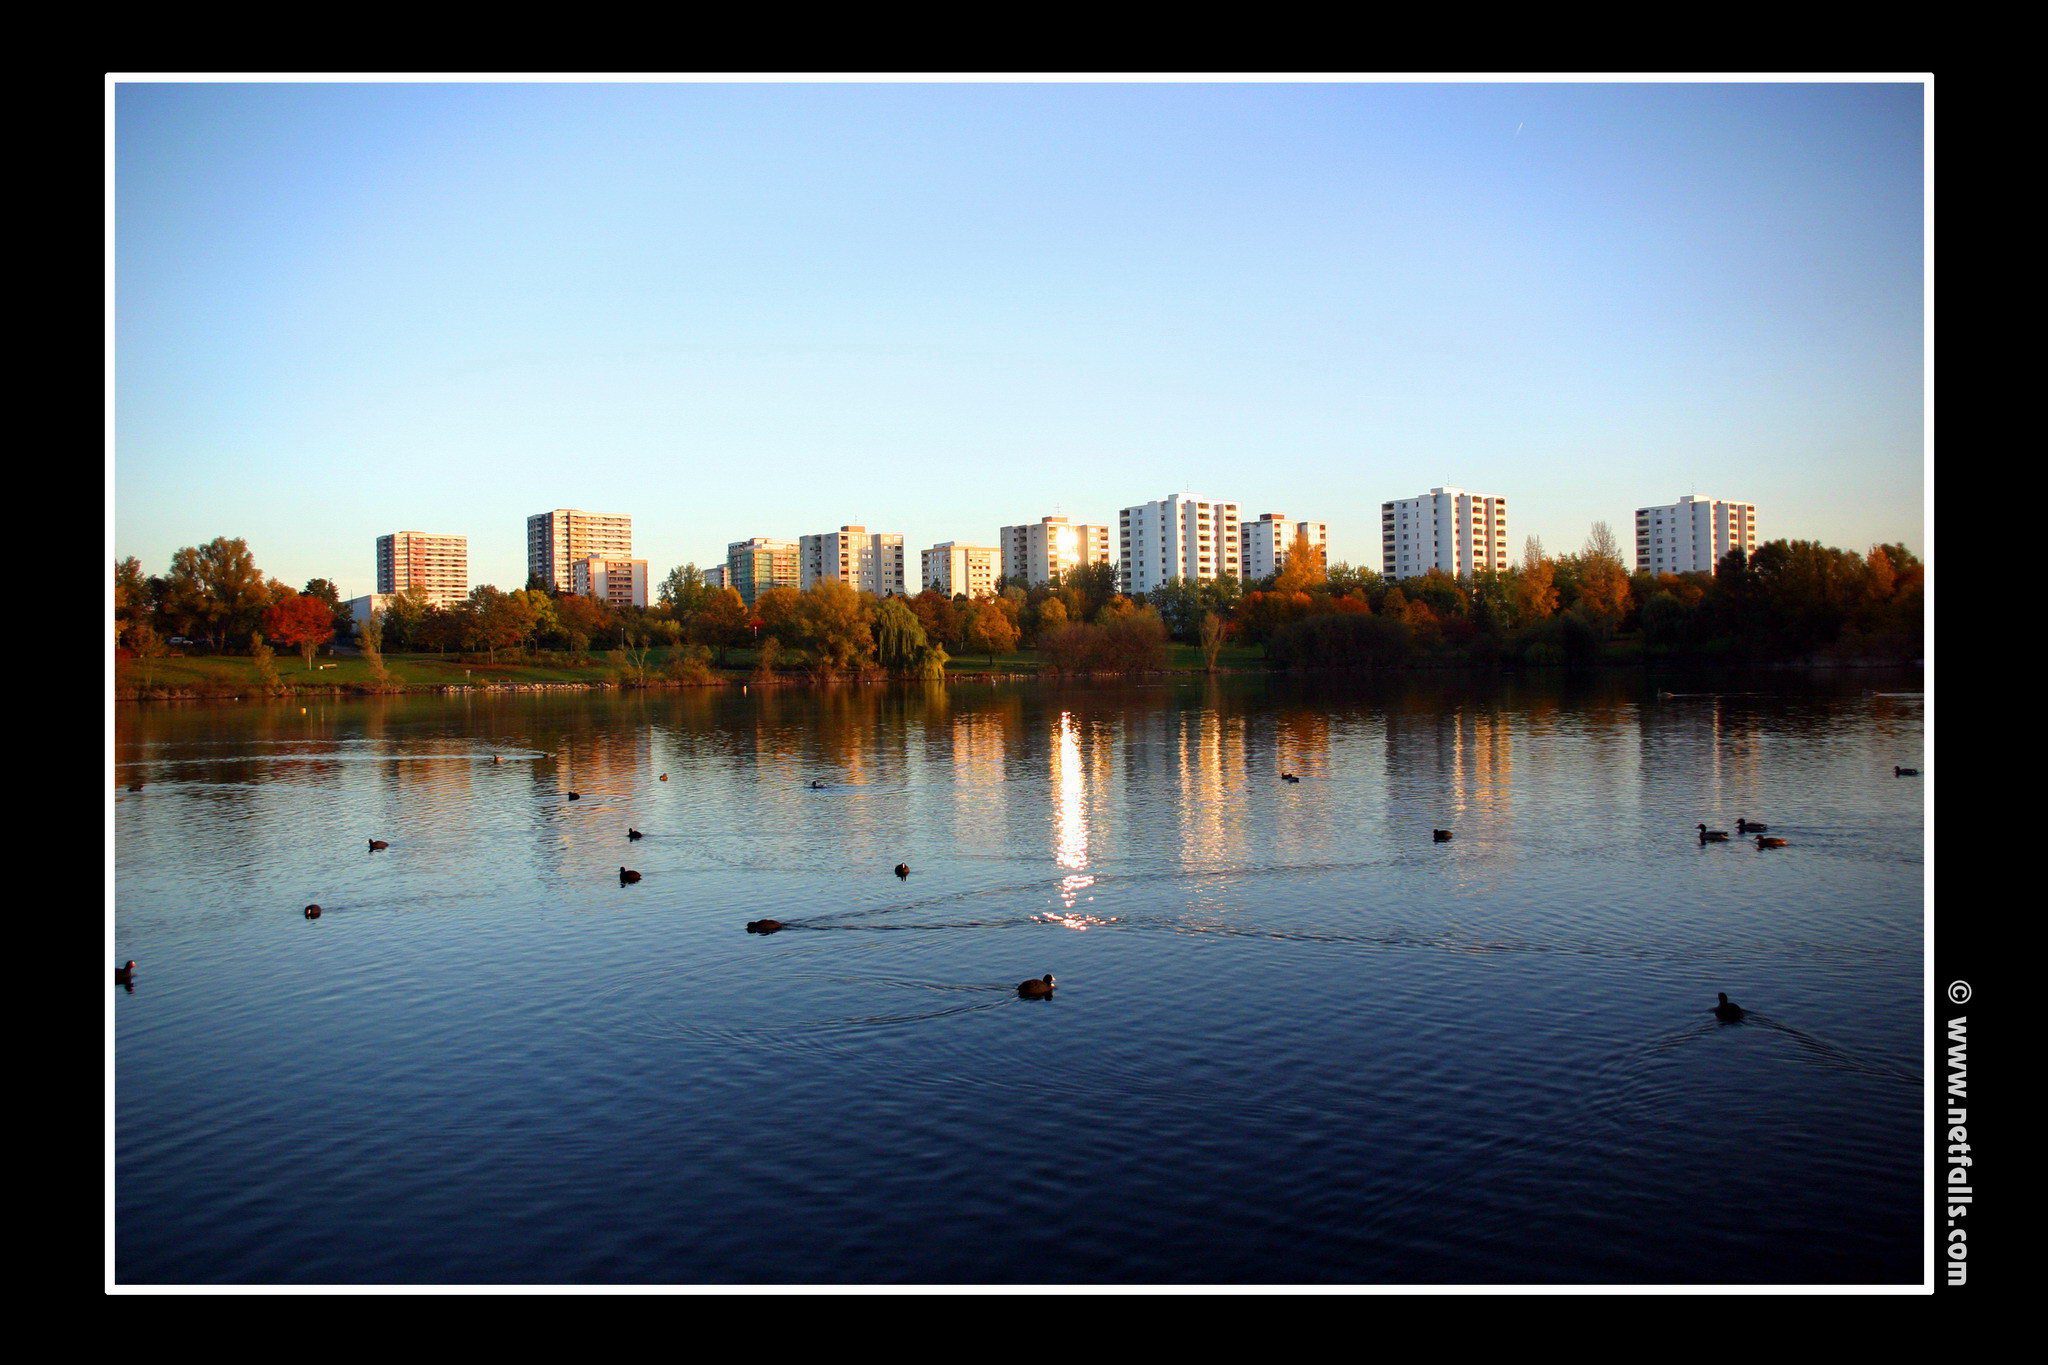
(236, 675)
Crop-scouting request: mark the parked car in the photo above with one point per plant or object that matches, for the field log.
(178, 640)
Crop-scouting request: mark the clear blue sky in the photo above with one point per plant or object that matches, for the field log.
(736, 310)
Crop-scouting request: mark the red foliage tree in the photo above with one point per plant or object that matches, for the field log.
(305, 623)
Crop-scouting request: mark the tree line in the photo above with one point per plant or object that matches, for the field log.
(1789, 600)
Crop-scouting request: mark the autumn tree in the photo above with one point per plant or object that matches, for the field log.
(722, 621)
(1304, 568)
(833, 623)
(992, 630)
(300, 622)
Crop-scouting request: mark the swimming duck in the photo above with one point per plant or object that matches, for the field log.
(376, 844)
(312, 912)
(816, 785)
(1905, 772)
(1036, 989)
(627, 874)
(763, 926)
(497, 758)
(1728, 1011)
(1743, 826)
(664, 777)
(632, 833)
(1713, 836)
(575, 796)
(135, 787)
(125, 975)
(1442, 836)
(903, 869)
(1289, 777)
(1763, 841)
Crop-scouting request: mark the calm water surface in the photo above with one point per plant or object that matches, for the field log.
(1294, 1040)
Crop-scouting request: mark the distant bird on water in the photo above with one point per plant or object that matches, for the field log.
(1769, 841)
(376, 844)
(1728, 1011)
(764, 926)
(627, 874)
(497, 758)
(575, 796)
(1289, 777)
(1743, 826)
(903, 869)
(632, 833)
(1442, 836)
(664, 777)
(1713, 836)
(1905, 772)
(1036, 989)
(125, 975)
(312, 912)
(135, 786)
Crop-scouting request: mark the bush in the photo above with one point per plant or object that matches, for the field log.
(1349, 640)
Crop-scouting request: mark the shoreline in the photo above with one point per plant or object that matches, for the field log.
(139, 696)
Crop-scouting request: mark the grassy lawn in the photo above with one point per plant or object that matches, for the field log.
(232, 673)
(211, 672)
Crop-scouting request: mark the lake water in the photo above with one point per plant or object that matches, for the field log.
(1294, 1040)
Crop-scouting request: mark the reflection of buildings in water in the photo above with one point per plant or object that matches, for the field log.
(1463, 759)
(1727, 744)
(964, 756)
(1301, 741)
(603, 765)
(1212, 772)
(1301, 745)
(1070, 823)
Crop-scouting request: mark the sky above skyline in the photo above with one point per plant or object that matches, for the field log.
(759, 309)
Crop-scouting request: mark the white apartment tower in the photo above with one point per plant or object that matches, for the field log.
(1460, 532)
(556, 540)
(1037, 552)
(869, 561)
(1265, 544)
(1181, 536)
(1692, 534)
(954, 569)
(621, 582)
(417, 559)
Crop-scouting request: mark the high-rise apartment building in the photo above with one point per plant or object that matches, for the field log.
(754, 566)
(1692, 534)
(437, 564)
(1181, 536)
(715, 577)
(1266, 543)
(1460, 532)
(869, 561)
(954, 569)
(1037, 552)
(555, 540)
(621, 582)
